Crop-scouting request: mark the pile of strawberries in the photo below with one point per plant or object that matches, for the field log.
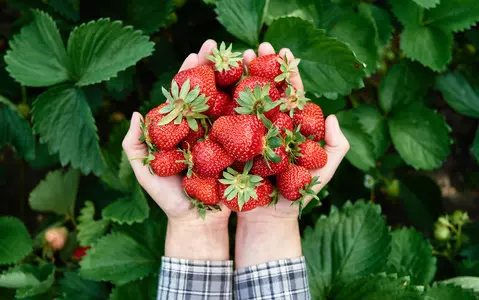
(237, 134)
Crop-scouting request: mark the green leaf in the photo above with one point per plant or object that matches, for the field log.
(405, 83)
(100, 49)
(304, 9)
(421, 137)
(411, 255)
(243, 19)
(345, 245)
(327, 65)
(475, 146)
(70, 9)
(453, 15)
(37, 56)
(18, 277)
(374, 124)
(381, 21)
(459, 93)
(61, 116)
(128, 260)
(448, 292)
(147, 15)
(128, 210)
(15, 130)
(408, 12)
(121, 86)
(56, 193)
(15, 242)
(113, 157)
(329, 106)
(45, 275)
(144, 289)
(430, 46)
(466, 282)
(379, 286)
(358, 32)
(427, 3)
(125, 174)
(73, 287)
(362, 151)
(89, 229)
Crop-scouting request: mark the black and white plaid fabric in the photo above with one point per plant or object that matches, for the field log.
(279, 280)
(183, 279)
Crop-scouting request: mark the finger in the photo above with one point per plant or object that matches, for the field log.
(265, 49)
(248, 56)
(190, 62)
(134, 148)
(206, 48)
(294, 76)
(336, 146)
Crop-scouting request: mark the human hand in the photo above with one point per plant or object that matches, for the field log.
(276, 227)
(188, 235)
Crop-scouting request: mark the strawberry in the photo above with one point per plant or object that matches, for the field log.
(243, 191)
(311, 155)
(264, 168)
(80, 252)
(166, 163)
(311, 120)
(283, 122)
(238, 165)
(162, 137)
(203, 193)
(209, 159)
(221, 102)
(255, 95)
(56, 237)
(193, 136)
(295, 183)
(227, 65)
(292, 100)
(202, 76)
(273, 67)
(230, 109)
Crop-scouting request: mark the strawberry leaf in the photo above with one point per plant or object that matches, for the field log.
(327, 65)
(68, 8)
(56, 193)
(448, 291)
(411, 255)
(72, 286)
(475, 145)
(101, 49)
(129, 210)
(374, 124)
(453, 15)
(15, 242)
(45, 275)
(89, 229)
(61, 115)
(466, 282)
(148, 15)
(37, 56)
(460, 93)
(346, 244)
(145, 288)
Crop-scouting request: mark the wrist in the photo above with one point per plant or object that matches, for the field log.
(260, 241)
(197, 240)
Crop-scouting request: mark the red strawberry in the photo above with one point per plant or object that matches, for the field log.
(230, 109)
(282, 121)
(228, 66)
(193, 136)
(209, 159)
(311, 120)
(165, 136)
(243, 191)
(292, 100)
(166, 163)
(295, 182)
(202, 76)
(202, 189)
(219, 104)
(273, 67)
(311, 155)
(238, 165)
(250, 103)
(80, 252)
(264, 169)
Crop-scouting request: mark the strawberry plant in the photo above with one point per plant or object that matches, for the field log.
(400, 75)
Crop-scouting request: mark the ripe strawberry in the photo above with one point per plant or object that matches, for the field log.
(162, 137)
(203, 193)
(311, 155)
(202, 76)
(283, 122)
(193, 136)
(311, 120)
(264, 168)
(243, 191)
(227, 65)
(292, 100)
(295, 183)
(80, 252)
(209, 159)
(273, 67)
(256, 95)
(230, 109)
(220, 102)
(238, 165)
(166, 163)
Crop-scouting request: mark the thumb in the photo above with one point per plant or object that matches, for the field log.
(134, 148)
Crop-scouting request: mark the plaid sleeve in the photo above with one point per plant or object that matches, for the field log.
(279, 280)
(182, 279)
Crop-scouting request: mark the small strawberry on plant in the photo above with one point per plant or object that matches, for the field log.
(203, 194)
(227, 65)
(273, 67)
(79, 253)
(56, 237)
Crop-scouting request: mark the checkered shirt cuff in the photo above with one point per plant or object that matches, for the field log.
(279, 280)
(182, 279)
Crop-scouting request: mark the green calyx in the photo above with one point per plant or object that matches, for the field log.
(187, 161)
(242, 184)
(287, 67)
(292, 142)
(293, 100)
(202, 208)
(224, 58)
(256, 101)
(184, 104)
(272, 141)
(305, 192)
(145, 137)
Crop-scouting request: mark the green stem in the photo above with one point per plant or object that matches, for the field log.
(24, 95)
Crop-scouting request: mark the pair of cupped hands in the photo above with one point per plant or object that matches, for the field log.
(168, 192)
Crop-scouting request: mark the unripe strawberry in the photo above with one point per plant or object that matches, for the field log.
(442, 233)
(56, 237)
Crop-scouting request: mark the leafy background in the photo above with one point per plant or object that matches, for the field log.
(401, 75)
